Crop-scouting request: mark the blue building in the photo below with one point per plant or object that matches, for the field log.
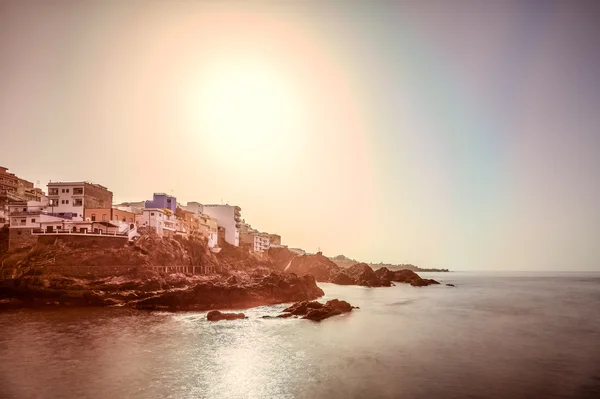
(162, 200)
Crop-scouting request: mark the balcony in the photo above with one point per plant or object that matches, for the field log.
(26, 213)
(83, 231)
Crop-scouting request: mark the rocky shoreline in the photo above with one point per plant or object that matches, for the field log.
(46, 274)
(327, 271)
(151, 291)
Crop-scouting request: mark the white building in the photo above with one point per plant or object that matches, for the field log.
(195, 207)
(208, 225)
(228, 217)
(162, 220)
(132, 209)
(261, 242)
(152, 217)
(31, 214)
(72, 198)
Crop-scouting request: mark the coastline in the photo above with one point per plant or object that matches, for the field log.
(62, 273)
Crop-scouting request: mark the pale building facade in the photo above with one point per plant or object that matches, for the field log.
(229, 218)
(107, 214)
(152, 217)
(261, 242)
(72, 198)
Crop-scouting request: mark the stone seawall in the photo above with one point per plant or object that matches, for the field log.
(22, 237)
(89, 272)
(88, 241)
(94, 272)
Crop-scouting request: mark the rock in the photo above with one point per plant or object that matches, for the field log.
(319, 266)
(301, 308)
(281, 316)
(343, 279)
(450, 285)
(342, 306)
(321, 314)
(215, 315)
(316, 311)
(365, 276)
(199, 293)
(325, 270)
(232, 280)
(384, 273)
(412, 278)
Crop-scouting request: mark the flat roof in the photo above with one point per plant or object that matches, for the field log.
(75, 183)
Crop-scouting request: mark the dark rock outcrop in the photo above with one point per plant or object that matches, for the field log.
(365, 276)
(319, 266)
(215, 315)
(153, 291)
(343, 279)
(361, 274)
(316, 311)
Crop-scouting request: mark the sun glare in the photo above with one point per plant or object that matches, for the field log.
(243, 104)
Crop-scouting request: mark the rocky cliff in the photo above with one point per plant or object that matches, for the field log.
(243, 280)
(150, 290)
(148, 250)
(325, 270)
(344, 261)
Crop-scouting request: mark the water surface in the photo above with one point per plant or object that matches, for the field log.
(493, 336)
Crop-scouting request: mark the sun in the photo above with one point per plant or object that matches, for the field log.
(240, 104)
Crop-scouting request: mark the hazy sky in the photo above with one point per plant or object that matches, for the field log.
(460, 134)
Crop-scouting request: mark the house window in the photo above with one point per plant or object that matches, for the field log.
(54, 202)
(104, 217)
(63, 190)
(151, 213)
(78, 191)
(53, 191)
(66, 201)
(62, 201)
(67, 190)
(23, 220)
(32, 220)
(93, 217)
(78, 202)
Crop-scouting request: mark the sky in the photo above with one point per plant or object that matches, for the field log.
(462, 134)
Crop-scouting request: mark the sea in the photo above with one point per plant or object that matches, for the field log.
(494, 335)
